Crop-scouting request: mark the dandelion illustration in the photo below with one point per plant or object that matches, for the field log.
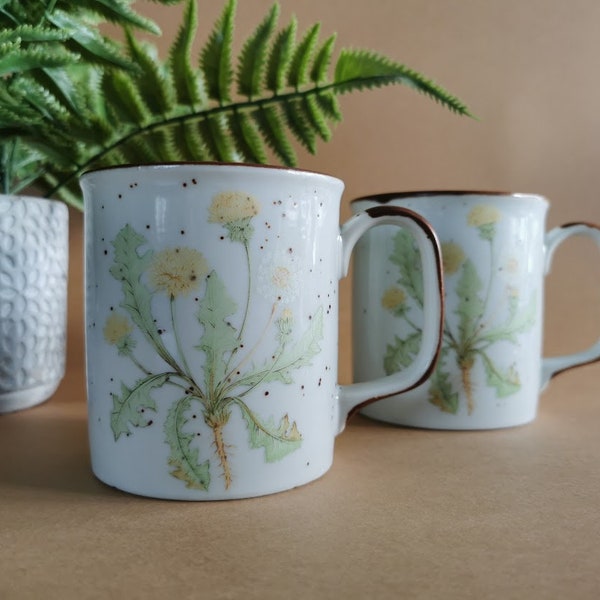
(285, 323)
(234, 210)
(482, 319)
(116, 329)
(394, 300)
(484, 217)
(231, 367)
(278, 280)
(453, 257)
(178, 271)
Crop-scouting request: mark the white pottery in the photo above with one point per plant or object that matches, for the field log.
(34, 239)
(496, 254)
(212, 326)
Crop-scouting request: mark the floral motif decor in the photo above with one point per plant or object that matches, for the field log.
(160, 282)
(478, 323)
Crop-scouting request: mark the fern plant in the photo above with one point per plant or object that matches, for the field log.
(280, 88)
(44, 47)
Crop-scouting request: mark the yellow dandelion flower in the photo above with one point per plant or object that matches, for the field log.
(393, 299)
(177, 271)
(483, 214)
(228, 207)
(116, 328)
(453, 257)
(512, 266)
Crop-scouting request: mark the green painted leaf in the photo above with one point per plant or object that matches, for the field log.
(277, 439)
(505, 383)
(401, 353)
(441, 393)
(470, 306)
(219, 338)
(405, 255)
(184, 459)
(130, 406)
(287, 358)
(128, 267)
(517, 322)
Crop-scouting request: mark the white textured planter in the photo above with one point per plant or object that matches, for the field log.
(33, 299)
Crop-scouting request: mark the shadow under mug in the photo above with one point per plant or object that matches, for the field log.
(496, 254)
(212, 326)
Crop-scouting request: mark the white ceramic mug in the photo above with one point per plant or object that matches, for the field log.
(496, 254)
(212, 326)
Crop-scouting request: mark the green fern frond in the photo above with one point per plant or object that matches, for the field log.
(298, 74)
(188, 83)
(280, 58)
(253, 56)
(279, 91)
(361, 69)
(215, 57)
(15, 59)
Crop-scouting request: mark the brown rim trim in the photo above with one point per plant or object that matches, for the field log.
(161, 165)
(384, 211)
(384, 198)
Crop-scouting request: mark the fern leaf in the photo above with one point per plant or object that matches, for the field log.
(189, 142)
(125, 98)
(299, 68)
(188, 83)
(32, 33)
(360, 69)
(329, 105)
(215, 57)
(317, 117)
(254, 55)
(280, 58)
(14, 59)
(299, 125)
(246, 138)
(153, 82)
(271, 126)
(320, 68)
(217, 139)
(88, 40)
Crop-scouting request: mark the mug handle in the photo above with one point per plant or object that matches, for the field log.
(354, 396)
(557, 364)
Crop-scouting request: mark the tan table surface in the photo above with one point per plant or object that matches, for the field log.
(403, 513)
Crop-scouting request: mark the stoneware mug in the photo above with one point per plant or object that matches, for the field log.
(496, 254)
(212, 326)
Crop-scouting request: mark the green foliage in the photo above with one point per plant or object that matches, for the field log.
(128, 105)
(184, 459)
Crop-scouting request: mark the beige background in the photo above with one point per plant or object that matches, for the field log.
(403, 513)
(527, 69)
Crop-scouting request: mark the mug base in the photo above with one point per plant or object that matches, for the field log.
(190, 495)
(27, 398)
(446, 424)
